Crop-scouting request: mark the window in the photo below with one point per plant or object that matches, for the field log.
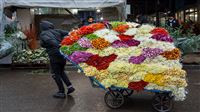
(191, 14)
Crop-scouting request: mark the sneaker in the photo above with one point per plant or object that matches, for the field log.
(70, 90)
(59, 95)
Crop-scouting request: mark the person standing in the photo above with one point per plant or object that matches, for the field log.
(50, 39)
(172, 22)
(90, 20)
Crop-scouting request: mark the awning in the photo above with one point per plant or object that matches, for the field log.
(64, 3)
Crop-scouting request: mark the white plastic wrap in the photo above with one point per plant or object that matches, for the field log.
(5, 48)
(64, 3)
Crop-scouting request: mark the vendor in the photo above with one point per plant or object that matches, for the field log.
(50, 39)
(90, 20)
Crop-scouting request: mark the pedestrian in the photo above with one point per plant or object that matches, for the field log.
(172, 22)
(50, 39)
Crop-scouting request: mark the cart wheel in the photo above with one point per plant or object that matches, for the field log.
(126, 92)
(162, 102)
(114, 99)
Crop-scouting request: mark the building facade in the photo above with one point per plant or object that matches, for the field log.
(183, 10)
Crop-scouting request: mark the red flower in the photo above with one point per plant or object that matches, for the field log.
(138, 86)
(159, 31)
(125, 37)
(101, 63)
(97, 26)
(67, 41)
(75, 33)
(121, 28)
(75, 38)
(84, 30)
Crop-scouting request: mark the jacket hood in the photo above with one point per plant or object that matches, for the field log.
(46, 25)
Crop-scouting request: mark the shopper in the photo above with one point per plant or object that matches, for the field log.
(50, 39)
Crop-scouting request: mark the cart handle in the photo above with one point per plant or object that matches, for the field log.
(73, 63)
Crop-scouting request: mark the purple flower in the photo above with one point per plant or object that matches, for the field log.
(152, 52)
(132, 42)
(162, 37)
(80, 56)
(118, 44)
(84, 42)
(127, 43)
(137, 59)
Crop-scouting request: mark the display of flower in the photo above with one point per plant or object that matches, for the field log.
(84, 30)
(162, 37)
(69, 40)
(125, 37)
(97, 26)
(79, 56)
(172, 55)
(131, 31)
(159, 31)
(121, 28)
(128, 55)
(151, 52)
(100, 43)
(85, 43)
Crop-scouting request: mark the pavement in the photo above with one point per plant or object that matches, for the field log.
(28, 91)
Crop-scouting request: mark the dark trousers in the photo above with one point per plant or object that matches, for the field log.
(57, 68)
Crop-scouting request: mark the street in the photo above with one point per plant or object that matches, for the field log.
(24, 91)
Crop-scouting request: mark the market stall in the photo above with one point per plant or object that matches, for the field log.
(83, 4)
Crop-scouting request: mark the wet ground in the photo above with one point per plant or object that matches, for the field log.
(25, 91)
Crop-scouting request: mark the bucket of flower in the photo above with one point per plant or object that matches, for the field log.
(127, 57)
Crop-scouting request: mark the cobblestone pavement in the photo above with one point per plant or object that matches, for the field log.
(25, 91)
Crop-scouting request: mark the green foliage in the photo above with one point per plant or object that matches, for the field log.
(91, 36)
(188, 44)
(116, 23)
(70, 49)
(184, 39)
(38, 56)
(10, 29)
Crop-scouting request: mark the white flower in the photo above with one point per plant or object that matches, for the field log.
(132, 24)
(151, 43)
(102, 32)
(164, 62)
(145, 29)
(131, 31)
(109, 35)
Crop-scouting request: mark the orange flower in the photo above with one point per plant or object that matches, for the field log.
(172, 55)
(100, 43)
(121, 28)
(97, 26)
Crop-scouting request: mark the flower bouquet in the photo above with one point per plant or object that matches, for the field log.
(128, 55)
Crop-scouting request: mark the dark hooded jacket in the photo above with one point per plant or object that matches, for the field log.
(50, 39)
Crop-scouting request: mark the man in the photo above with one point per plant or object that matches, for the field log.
(50, 39)
(90, 20)
(172, 22)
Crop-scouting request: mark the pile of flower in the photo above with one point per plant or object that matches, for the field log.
(128, 55)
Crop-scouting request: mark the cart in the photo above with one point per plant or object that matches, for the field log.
(115, 96)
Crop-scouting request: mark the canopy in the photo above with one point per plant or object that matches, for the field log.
(61, 4)
(64, 3)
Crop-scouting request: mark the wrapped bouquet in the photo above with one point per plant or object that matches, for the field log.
(128, 55)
